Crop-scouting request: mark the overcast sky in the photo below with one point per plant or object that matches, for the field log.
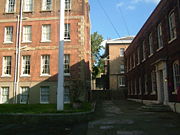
(114, 18)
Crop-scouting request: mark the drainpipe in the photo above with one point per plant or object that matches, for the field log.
(16, 60)
(18, 52)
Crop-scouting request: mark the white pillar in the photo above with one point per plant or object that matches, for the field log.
(60, 89)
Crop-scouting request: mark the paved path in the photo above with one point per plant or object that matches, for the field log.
(124, 118)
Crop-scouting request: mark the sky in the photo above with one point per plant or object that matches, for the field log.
(118, 18)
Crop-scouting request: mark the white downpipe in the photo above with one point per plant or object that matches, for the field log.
(16, 61)
(60, 89)
(19, 48)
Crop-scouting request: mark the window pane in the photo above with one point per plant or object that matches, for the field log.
(27, 34)
(121, 52)
(45, 64)
(10, 6)
(7, 65)
(66, 95)
(24, 94)
(5, 94)
(26, 65)
(67, 32)
(46, 32)
(160, 39)
(67, 4)
(8, 34)
(44, 94)
(27, 5)
(172, 26)
(66, 63)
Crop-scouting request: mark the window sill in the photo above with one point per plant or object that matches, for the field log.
(67, 74)
(6, 76)
(143, 60)
(138, 64)
(68, 9)
(27, 11)
(47, 41)
(25, 76)
(26, 42)
(50, 10)
(150, 55)
(174, 92)
(159, 49)
(9, 12)
(7, 42)
(67, 40)
(153, 93)
(169, 42)
(45, 75)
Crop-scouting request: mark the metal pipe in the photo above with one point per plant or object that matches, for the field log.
(60, 89)
(18, 50)
(15, 71)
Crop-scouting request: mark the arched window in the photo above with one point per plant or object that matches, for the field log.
(176, 74)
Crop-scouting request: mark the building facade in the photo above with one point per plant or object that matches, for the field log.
(153, 58)
(29, 40)
(114, 62)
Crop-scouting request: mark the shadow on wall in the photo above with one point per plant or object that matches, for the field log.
(45, 91)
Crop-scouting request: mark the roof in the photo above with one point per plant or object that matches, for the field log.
(117, 41)
(122, 40)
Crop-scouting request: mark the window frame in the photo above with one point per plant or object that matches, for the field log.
(6, 66)
(122, 68)
(153, 82)
(25, 65)
(150, 42)
(44, 102)
(27, 34)
(122, 81)
(8, 7)
(6, 35)
(66, 94)
(1, 95)
(67, 64)
(160, 36)
(176, 74)
(68, 5)
(122, 50)
(46, 33)
(48, 64)
(67, 31)
(143, 51)
(45, 5)
(138, 56)
(24, 94)
(25, 4)
(172, 26)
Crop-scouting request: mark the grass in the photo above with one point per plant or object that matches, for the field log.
(42, 108)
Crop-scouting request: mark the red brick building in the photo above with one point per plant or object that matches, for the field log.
(29, 49)
(153, 58)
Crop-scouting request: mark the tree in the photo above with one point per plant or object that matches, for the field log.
(96, 47)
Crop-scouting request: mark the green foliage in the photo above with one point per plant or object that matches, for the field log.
(96, 47)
